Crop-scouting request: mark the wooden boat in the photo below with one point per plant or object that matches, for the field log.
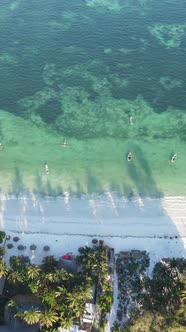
(129, 157)
(173, 159)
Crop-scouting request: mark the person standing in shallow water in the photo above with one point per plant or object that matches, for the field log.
(1, 147)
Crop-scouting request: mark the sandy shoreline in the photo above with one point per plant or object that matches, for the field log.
(66, 223)
(104, 215)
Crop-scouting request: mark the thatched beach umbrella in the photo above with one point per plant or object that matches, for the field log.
(81, 250)
(20, 247)
(33, 247)
(46, 248)
(10, 245)
(16, 238)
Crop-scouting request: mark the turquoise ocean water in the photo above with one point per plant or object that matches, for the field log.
(79, 70)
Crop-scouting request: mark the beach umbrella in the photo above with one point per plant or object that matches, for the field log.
(10, 245)
(94, 241)
(20, 247)
(46, 248)
(33, 247)
(16, 238)
(81, 250)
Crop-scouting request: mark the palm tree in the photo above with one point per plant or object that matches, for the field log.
(30, 316)
(48, 318)
(59, 275)
(49, 263)
(2, 236)
(18, 262)
(48, 297)
(61, 292)
(12, 304)
(72, 301)
(182, 295)
(49, 278)
(33, 272)
(14, 277)
(4, 270)
(66, 322)
(33, 286)
(2, 251)
(118, 328)
(75, 304)
(74, 298)
(94, 261)
(56, 276)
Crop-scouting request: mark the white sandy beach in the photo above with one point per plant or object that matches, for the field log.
(66, 223)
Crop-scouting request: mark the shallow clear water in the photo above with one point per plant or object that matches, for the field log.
(79, 70)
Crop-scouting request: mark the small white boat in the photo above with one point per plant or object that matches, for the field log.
(173, 159)
(46, 169)
(129, 157)
(131, 120)
(65, 144)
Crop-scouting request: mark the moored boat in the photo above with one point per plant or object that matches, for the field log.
(65, 144)
(173, 159)
(129, 157)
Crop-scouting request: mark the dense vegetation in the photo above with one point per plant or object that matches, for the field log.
(161, 307)
(2, 236)
(59, 297)
(95, 265)
(157, 304)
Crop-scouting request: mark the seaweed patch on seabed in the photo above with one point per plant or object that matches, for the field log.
(115, 6)
(169, 35)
